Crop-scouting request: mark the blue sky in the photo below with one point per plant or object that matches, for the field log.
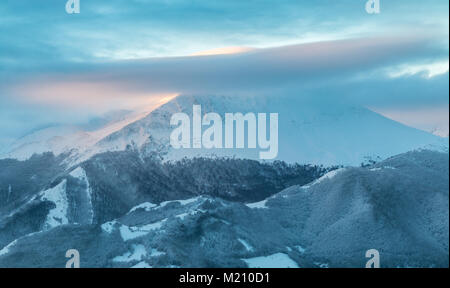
(44, 51)
(115, 29)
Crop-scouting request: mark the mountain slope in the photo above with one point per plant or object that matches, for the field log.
(329, 133)
(40, 194)
(76, 142)
(326, 132)
(398, 206)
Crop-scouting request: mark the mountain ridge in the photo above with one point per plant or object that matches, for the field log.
(327, 133)
(398, 206)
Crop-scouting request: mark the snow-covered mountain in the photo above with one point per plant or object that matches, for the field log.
(75, 141)
(310, 131)
(39, 194)
(398, 206)
(123, 197)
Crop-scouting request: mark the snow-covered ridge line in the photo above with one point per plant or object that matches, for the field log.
(263, 204)
(381, 168)
(5, 250)
(75, 141)
(327, 176)
(306, 123)
(148, 206)
(132, 232)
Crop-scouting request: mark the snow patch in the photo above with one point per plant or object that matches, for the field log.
(194, 212)
(141, 264)
(156, 253)
(147, 206)
(381, 168)
(321, 265)
(278, 260)
(188, 201)
(9, 193)
(108, 227)
(300, 249)
(247, 246)
(225, 222)
(128, 233)
(258, 205)
(139, 252)
(79, 173)
(329, 175)
(182, 202)
(58, 215)
(5, 250)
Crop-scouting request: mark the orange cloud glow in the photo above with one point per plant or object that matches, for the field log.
(94, 96)
(224, 50)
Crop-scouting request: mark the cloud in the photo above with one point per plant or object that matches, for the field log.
(126, 29)
(428, 70)
(69, 67)
(430, 119)
(223, 51)
(290, 67)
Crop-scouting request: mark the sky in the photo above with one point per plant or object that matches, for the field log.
(59, 68)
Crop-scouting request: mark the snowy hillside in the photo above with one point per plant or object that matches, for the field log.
(40, 194)
(398, 206)
(77, 142)
(310, 131)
